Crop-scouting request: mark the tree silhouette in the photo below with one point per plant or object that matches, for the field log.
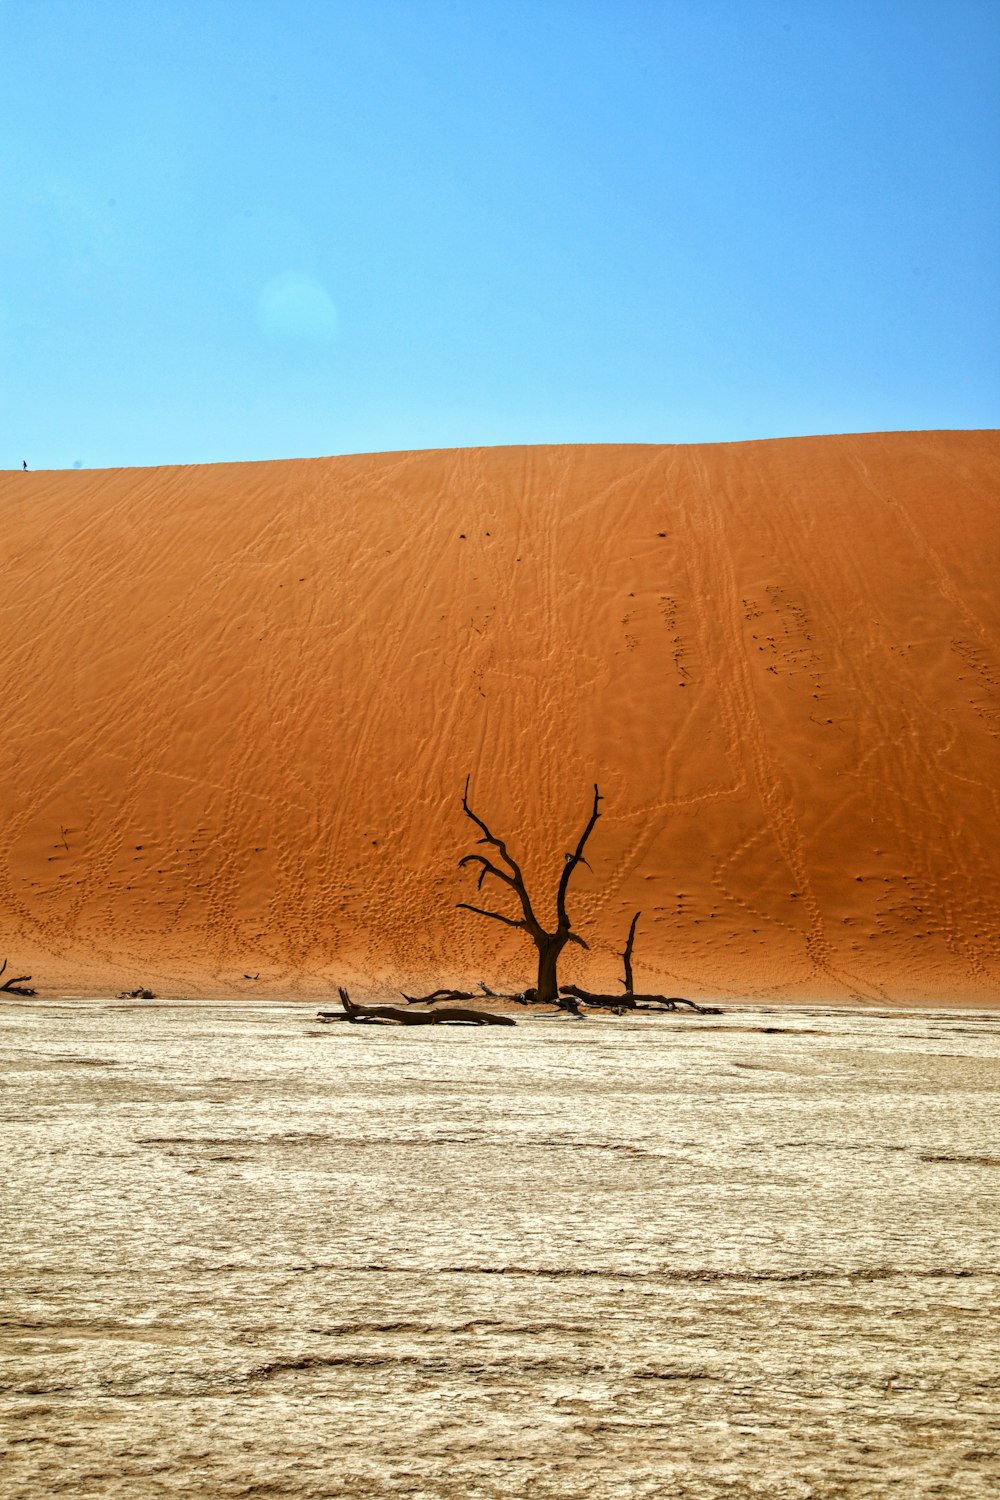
(627, 955)
(548, 944)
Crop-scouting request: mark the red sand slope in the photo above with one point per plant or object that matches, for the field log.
(240, 702)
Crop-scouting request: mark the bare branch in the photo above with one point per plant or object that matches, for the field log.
(488, 836)
(439, 995)
(574, 859)
(16, 984)
(516, 879)
(520, 996)
(383, 1014)
(497, 916)
(627, 955)
(574, 937)
(460, 1015)
(657, 1004)
(488, 869)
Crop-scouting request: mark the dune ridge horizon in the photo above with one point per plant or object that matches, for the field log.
(241, 702)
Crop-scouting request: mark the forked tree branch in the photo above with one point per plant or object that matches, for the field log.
(489, 868)
(488, 836)
(515, 880)
(572, 860)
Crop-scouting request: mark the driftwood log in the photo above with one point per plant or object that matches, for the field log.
(445, 1015)
(16, 984)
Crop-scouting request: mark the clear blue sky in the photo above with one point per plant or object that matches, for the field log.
(241, 229)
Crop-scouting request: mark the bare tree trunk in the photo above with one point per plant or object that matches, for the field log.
(549, 950)
(627, 955)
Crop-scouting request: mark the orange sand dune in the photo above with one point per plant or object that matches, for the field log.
(240, 702)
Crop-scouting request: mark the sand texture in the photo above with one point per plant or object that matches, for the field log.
(240, 703)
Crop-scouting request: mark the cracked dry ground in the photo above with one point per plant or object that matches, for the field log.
(746, 1255)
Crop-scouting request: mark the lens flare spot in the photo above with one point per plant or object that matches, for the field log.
(296, 306)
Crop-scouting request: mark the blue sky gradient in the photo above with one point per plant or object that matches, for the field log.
(273, 228)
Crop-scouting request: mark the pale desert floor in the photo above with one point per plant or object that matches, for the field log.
(749, 1255)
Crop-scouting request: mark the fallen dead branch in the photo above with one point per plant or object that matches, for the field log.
(522, 997)
(403, 1016)
(437, 995)
(636, 1002)
(461, 1015)
(16, 984)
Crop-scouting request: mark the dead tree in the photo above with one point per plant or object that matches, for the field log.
(627, 955)
(15, 985)
(630, 1001)
(548, 944)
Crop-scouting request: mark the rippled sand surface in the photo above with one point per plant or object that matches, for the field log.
(240, 701)
(749, 1255)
